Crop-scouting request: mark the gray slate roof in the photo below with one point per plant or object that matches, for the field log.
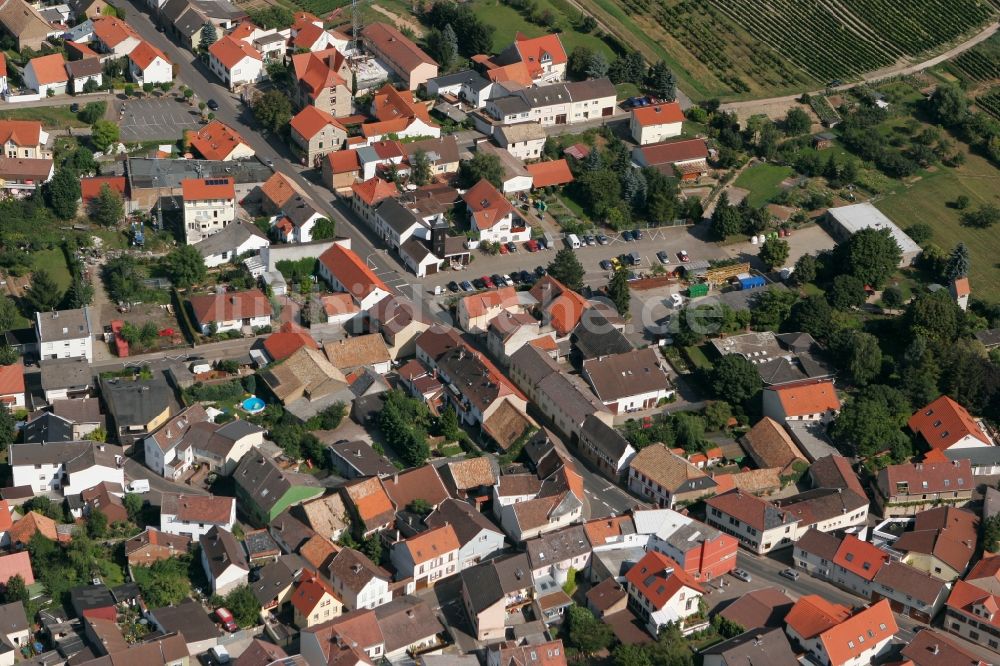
(488, 583)
(62, 325)
(231, 237)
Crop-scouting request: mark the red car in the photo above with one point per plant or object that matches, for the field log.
(487, 281)
(531, 245)
(503, 249)
(683, 256)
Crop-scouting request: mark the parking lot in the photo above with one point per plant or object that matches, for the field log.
(156, 118)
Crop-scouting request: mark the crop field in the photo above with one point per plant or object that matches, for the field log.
(980, 63)
(990, 102)
(748, 48)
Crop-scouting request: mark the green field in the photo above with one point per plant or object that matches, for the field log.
(763, 181)
(507, 22)
(927, 201)
(54, 262)
(52, 117)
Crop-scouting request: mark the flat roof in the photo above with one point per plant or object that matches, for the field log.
(860, 216)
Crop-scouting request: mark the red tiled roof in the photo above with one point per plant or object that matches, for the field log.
(288, 340)
(244, 30)
(658, 114)
(374, 190)
(944, 422)
(82, 49)
(432, 544)
(964, 596)
(205, 189)
(563, 306)
(420, 483)
(310, 121)
(389, 104)
(12, 379)
(230, 306)
(216, 140)
(31, 524)
(21, 132)
(547, 174)
(875, 624)
(144, 55)
(812, 615)
(659, 578)
(516, 72)
(113, 31)
(928, 477)
(810, 397)
(675, 151)
(90, 188)
(319, 70)
(351, 271)
(479, 304)
(49, 69)
(230, 52)
(396, 46)
(533, 49)
(278, 189)
(860, 557)
(309, 592)
(344, 161)
(3, 64)
(486, 204)
(18, 564)
(962, 287)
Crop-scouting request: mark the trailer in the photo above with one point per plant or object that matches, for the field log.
(750, 281)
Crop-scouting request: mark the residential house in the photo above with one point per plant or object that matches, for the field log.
(218, 141)
(209, 207)
(358, 582)
(152, 545)
(306, 383)
(317, 133)
(406, 59)
(543, 58)
(188, 621)
(973, 612)
(276, 191)
(195, 515)
(656, 123)
(19, 563)
(25, 24)
(766, 607)
(223, 560)
(812, 400)
(770, 446)
(661, 593)
(341, 169)
(516, 178)
(558, 306)
(910, 591)
(702, 551)
(478, 538)
(853, 641)
(367, 196)
(24, 138)
(345, 271)
(475, 312)
(314, 601)
(523, 140)
(264, 490)
(231, 311)
(323, 81)
(553, 104)
(758, 524)
(114, 36)
(944, 424)
(427, 557)
(352, 639)
(494, 590)
(930, 647)
(551, 173)
(664, 478)
(492, 217)
(410, 627)
(328, 516)
(605, 448)
(465, 84)
(20, 176)
(82, 72)
(941, 543)
(135, 408)
(67, 467)
(148, 64)
(470, 480)
(836, 501)
(909, 488)
(295, 221)
(15, 632)
(235, 62)
(191, 437)
(358, 460)
(686, 159)
(232, 241)
(370, 506)
(552, 556)
(12, 386)
(509, 331)
(441, 152)
(68, 378)
(359, 351)
(400, 323)
(628, 382)
(64, 334)
(752, 647)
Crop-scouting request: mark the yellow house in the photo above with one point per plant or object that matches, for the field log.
(315, 602)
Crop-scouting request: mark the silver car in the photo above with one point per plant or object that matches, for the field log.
(742, 574)
(790, 574)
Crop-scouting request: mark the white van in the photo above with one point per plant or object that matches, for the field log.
(573, 240)
(139, 486)
(220, 654)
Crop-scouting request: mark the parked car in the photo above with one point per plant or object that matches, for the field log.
(226, 619)
(742, 574)
(663, 257)
(213, 105)
(589, 240)
(478, 283)
(527, 277)
(497, 280)
(74, 108)
(627, 235)
(790, 574)
(531, 245)
(503, 249)
(467, 286)
(515, 277)
(637, 234)
(602, 239)
(683, 256)
(507, 280)
(512, 247)
(487, 282)
(606, 265)
(453, 286)
(540, 271)
(542, 244)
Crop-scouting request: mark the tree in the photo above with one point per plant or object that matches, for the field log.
(447, 46)
(273, 110)
(962, 202)
(628, 68)
(871, 422)
(91, 86)
(331, 417)
(660, 81)
(8, 426)
(774, 252)
(80, 293)
(133, 504)
(586, 632)
(771, 308)
(805, 271)
(566, 268)
(872, 255)
(597, 66)
(14, 590)
(846, 292)
(734, 378)
(244, 606)
(618, 292)
(862, 356)
(934, 315)
(107, 208)
(420, 169)
(797, 122)
(982, 218)
(482, 166)
(8, 313)
(689, 431)
(812, 315)
(185, 266)
(949, 104)
(103, 133)
(209, 36)
(958, 263)
(892, 297)
(576, 66)
(43, 294)
(324, 229)
(123, 278)
(63, 193)
(97, 524)
(8, 355)
(726, 219)
(92, 112)
(165, 582)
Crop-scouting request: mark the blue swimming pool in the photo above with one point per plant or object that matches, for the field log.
(253, 405)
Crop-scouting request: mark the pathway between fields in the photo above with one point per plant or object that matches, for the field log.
(400, 21)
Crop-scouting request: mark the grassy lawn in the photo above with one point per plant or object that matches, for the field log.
(763, 181)
(52, 117)
(698, 358)
(508, 21)
(55, 263)
(927, 201)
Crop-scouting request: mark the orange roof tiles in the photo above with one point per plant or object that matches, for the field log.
(479, 304)
(310, 592)
(216, 140)
(49, 69)
(659, 578)
(310, 121)
(850, 639)
(860, 557)
(3, 64)
(944, 422)
(533, 50)
(29, 525)
(12, 380)
(17, 564)
(288, 340)
(374, 190)
(547, 174)
(396, 46)
(113, 31)
(371, 502)
(244, 30)
(21, 132)
(421, 483)
(659, 114)
(965, 595)
(208, 189)
(230, 306)
(962, 287)
(278, 189)
(562, 306)
(338, 304)
(82, 49)
(230, 52)
(812, 615)
(344, 161)
(599, 531)
(319, 70)
(6, 522)
(516, 72)
(486, 204)
(804, 398)
(389, 104)
(144, 55)
(351, 271)
(432, 544)
(90, 188)
(307, 36)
